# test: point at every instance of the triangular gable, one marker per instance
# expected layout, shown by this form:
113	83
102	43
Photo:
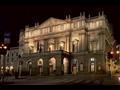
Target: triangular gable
51	21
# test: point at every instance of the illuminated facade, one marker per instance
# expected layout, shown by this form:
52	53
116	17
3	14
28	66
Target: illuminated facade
10	60
74	45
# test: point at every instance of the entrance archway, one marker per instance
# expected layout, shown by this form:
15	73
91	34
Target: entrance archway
92	64
52	65
40	65
75	66
29	66
65	66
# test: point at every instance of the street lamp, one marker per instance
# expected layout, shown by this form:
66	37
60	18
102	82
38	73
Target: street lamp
117	52
3	51
118	79
118	57
112	52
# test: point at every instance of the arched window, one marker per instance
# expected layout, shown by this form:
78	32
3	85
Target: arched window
40	62
75	45
52	65
62	45
29	65
40	65
51	45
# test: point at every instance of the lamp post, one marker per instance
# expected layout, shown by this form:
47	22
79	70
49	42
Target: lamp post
3	51
20	68
118	52
118	58
111	62
30	67
109	70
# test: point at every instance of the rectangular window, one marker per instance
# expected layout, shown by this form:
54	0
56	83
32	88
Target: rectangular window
72	25
12	59
93	46
83	23
73	48
92	67
97	23
81	67
100	22
26	34
37	45
16	54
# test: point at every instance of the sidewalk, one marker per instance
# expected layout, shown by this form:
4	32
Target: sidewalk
60	80
111	81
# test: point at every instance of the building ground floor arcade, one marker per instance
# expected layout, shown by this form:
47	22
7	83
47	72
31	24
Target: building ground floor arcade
60	63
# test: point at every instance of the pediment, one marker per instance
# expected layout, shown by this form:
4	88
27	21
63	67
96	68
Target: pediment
51	22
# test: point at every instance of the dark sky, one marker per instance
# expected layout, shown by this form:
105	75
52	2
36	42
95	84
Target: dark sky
15	17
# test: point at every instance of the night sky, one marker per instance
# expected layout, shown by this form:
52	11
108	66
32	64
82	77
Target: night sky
15	17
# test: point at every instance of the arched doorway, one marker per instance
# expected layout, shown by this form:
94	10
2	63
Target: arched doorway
7	69
20	65
75	66
65	66
52	66
29	67
11	70
92	65
40	65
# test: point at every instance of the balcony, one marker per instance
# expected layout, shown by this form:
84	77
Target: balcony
56	52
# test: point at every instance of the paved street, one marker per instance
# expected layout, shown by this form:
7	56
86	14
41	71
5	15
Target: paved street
65	80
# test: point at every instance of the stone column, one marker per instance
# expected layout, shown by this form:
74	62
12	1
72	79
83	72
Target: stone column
70	64
59	65
56	44
70	42
80	43
83	42
79	62
101	41
67	44
0	65
45	45
45	65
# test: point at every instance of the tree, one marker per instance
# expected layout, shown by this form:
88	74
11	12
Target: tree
112	66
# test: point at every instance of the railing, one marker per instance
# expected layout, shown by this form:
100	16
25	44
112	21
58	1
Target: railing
46	52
